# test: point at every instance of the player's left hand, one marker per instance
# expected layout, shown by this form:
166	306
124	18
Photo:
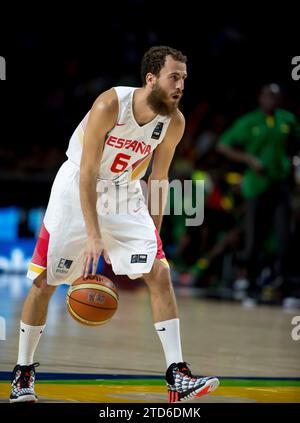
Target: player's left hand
94	249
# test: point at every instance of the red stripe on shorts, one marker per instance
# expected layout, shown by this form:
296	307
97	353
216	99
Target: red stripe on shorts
160	252
41	248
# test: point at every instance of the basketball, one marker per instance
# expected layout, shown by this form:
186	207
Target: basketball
93	300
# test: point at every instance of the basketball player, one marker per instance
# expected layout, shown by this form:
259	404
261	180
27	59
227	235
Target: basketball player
108	153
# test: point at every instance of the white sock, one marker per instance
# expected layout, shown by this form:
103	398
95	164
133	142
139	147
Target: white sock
169	335
28	341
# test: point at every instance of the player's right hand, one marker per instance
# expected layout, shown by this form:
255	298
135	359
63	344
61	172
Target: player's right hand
93	250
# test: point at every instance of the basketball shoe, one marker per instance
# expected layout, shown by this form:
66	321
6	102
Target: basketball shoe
22	382
182	385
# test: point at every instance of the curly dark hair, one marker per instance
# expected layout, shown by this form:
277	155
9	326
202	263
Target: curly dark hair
154	60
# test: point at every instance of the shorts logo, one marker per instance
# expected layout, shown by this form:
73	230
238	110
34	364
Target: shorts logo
64	265
157	131
138	258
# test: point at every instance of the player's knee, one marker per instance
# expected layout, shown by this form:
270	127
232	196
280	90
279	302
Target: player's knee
159	275
41	288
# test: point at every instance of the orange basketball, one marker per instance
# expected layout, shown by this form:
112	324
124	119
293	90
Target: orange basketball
92	300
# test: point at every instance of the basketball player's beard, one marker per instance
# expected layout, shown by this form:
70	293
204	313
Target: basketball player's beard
157	100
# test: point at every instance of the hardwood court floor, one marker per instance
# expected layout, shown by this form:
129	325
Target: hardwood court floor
251	350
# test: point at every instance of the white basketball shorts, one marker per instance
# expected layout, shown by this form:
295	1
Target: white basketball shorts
129	236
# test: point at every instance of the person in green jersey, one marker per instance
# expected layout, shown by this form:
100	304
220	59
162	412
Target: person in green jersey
262	141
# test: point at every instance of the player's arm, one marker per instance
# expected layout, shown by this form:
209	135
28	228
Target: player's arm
237	136
163	156
240	156
102	118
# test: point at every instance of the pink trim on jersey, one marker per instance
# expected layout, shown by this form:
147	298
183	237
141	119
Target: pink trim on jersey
41	249
160	252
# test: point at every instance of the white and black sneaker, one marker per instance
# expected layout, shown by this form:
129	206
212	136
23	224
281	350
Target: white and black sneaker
22	383
182	385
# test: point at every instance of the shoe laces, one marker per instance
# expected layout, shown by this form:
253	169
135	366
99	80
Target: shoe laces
26	373
183	368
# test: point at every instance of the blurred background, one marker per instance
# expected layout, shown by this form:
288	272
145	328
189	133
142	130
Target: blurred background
56	67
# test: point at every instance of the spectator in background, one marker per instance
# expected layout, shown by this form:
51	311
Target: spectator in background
262	140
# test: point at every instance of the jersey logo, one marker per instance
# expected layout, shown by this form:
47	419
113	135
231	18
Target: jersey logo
120	124
157	131
134	145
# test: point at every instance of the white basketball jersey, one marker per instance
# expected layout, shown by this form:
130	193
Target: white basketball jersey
128	146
